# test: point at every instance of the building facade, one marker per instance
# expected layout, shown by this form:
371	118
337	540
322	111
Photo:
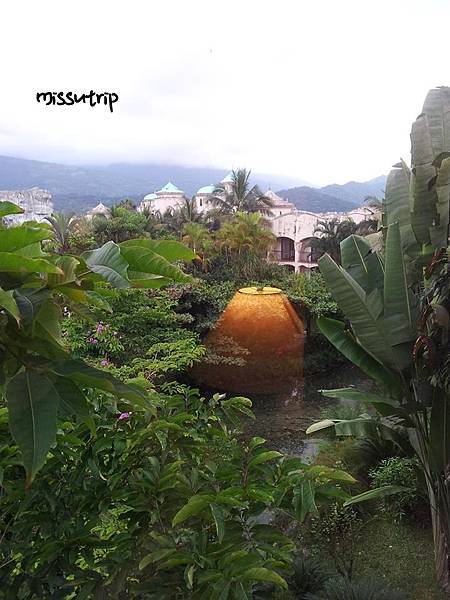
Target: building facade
293	228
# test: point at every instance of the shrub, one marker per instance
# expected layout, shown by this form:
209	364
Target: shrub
336	531
168	497
402	472
310	575
341	589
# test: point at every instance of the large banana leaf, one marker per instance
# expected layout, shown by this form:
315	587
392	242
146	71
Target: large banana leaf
439	231
437	109
424	198
361	263
363	311
397	209
400	305
335	332
376	494
382	404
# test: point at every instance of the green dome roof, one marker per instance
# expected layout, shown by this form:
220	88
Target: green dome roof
228	178
207	189
151	196
169	187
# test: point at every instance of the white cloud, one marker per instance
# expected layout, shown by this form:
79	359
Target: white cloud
325	91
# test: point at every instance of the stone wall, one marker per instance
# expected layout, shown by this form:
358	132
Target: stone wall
36	203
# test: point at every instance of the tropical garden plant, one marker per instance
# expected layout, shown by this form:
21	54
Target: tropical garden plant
240	196
39	378
133	488
396	303
61	226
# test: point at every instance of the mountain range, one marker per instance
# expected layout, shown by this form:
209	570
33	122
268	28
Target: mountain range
79	188
334	197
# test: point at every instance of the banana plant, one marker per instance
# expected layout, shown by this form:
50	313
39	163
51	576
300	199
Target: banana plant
396	305
39	379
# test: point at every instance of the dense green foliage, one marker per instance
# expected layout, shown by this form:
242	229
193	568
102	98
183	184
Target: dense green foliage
136	486
397	305
160	503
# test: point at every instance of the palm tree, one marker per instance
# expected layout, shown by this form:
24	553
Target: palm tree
246	234
187	212
241	197
194	236
61	227
332	233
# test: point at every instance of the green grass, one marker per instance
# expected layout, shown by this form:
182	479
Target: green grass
400	553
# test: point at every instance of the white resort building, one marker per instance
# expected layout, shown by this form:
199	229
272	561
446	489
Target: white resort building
168	197
293	228
99	210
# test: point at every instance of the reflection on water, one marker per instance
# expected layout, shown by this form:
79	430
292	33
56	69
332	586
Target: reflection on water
256	350
283	418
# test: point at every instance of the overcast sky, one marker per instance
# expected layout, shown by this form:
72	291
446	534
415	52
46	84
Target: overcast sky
320	90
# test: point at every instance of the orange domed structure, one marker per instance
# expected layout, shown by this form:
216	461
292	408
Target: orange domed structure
256	346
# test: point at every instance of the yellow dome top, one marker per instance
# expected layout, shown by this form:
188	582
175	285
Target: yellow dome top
264	291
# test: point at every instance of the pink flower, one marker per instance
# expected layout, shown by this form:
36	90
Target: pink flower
105	362
123	416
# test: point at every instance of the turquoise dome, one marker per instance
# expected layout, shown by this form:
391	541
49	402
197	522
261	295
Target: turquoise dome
169	187
207	189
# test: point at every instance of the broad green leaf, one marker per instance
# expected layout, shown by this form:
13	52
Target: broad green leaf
255	442
155	556
32	251
47	322
97	300
362	263
320	426
9	304
32	405
376	494
264	457
68	266
357	395
72	400
437	110
108	262
335	332
439	231
81	373
29	301
168	249
320	471
13	238
266	575
400	307
195	505
10	263
304	500
145	261
385	406
146	281
218	514
9	208
361	309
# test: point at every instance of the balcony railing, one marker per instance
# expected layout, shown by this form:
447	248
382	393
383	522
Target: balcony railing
289	256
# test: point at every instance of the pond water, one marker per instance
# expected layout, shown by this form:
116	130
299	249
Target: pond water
282	419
